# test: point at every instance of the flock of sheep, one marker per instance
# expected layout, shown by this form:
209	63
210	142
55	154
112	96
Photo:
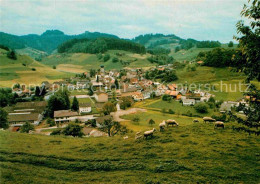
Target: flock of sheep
171	122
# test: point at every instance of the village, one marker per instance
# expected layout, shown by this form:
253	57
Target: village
93	90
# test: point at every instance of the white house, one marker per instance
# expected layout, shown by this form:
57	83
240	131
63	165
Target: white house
188	101
64	116
84	108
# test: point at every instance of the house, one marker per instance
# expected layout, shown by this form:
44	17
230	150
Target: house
188	102
200	62
84	108
101	97
138	96
227	106
64	116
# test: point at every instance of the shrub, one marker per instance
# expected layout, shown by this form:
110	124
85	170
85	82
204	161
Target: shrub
24	64
136	119
201	108
115	60
56	132
151	122
171	111
50	122
91	122
106	57
33	69
27	127
54	67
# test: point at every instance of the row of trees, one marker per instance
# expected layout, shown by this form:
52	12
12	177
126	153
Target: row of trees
161	59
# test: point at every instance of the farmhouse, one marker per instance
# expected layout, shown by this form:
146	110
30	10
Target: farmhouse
84	108
26	112
64	116
101	97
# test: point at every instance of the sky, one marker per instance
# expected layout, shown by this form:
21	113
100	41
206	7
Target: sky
197	19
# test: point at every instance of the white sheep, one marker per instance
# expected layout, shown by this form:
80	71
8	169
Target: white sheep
162	126
149	133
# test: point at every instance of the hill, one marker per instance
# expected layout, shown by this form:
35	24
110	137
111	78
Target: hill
80	62
25	70
47	42
185	154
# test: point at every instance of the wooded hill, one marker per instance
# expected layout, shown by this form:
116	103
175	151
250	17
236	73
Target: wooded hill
48	41
100	45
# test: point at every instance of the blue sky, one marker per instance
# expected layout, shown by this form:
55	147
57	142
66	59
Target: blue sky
198	19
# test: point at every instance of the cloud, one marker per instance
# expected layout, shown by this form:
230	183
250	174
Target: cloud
199	19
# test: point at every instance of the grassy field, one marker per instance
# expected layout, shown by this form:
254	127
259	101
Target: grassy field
80	62
190	153
20	71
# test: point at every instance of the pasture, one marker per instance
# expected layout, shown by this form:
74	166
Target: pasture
190	153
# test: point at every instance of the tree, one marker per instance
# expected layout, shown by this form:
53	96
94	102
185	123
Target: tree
11	55
75	104
108	107
97	80
201	108
250	40
27	127
55	103
230	44
3	119
112	127
116	84
177	49
126	102
151	122
54	67
249	45
73	129
64	93
92	72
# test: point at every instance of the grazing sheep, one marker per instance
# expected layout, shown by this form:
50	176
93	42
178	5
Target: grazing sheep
219	124
126	137
209	119
149	133
196	121
162	126
171	122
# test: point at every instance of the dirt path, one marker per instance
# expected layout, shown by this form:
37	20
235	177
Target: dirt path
116	115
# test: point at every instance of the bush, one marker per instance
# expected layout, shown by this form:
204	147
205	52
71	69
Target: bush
33	69
50	122
136	119
201	108
74	130
27	127
56	132
220	117
24	64
115	60
106	57
166	98
171	111
54	67
91	122
151	122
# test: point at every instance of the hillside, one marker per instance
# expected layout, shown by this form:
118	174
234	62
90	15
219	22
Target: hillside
47	42
185	154
80	62
25	70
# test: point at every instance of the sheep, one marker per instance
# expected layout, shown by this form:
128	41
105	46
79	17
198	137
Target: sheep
162	126
196	121
149	133
126	137
219	124
209	119
171	122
